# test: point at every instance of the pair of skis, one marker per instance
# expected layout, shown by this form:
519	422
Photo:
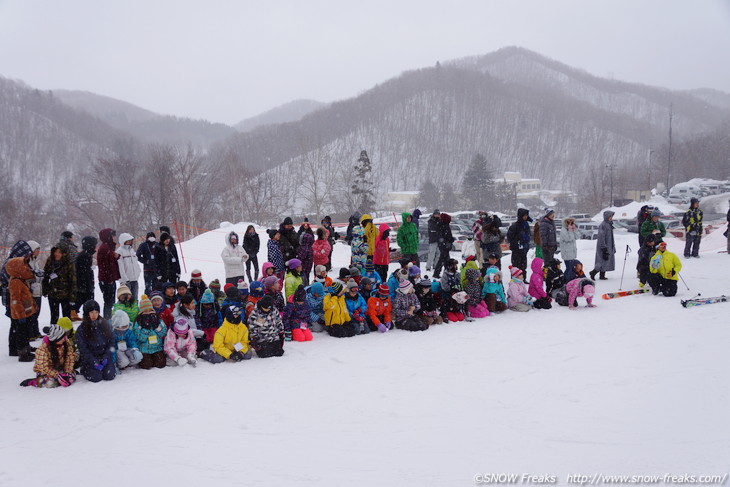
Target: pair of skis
699	301
687	303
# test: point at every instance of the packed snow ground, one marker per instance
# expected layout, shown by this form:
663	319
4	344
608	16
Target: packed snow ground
638	385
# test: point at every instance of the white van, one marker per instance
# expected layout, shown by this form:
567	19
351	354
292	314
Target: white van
684	192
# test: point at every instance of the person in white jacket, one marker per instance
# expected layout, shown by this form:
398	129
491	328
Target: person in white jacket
128	264
234	259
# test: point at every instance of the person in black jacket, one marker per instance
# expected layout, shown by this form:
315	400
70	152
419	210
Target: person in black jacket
433	239
166	265
174	260
85	284
96	342
641	216
692	223
289	241
445	243
251	245
518	236
146	255
646	252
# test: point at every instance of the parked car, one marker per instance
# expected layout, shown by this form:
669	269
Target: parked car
588	230
580	216
678	200
632	225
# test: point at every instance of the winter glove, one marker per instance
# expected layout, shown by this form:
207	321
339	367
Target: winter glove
382	328
389	325
605	254
99	366
236	356
65	379
137	354
181	361
192	361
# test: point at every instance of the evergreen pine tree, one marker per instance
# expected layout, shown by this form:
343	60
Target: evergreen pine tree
362	187
477	186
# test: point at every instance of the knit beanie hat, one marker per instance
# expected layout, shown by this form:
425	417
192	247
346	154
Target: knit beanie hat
233	294
65	323
55	333
656	212
425	283
196	274
90	306
145	305
384	290
515	271
405	287
662	245
242	286
292	264
207	297
227	287
256	289
120	320
215	285
369	266
317	288
351	284
365	281
270	281
337	287
267	302
181	326
354	271
319	269
414	271
122	291
344	273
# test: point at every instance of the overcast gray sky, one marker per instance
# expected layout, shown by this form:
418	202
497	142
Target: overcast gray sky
228	60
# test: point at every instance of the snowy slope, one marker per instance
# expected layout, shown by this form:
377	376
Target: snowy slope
638	385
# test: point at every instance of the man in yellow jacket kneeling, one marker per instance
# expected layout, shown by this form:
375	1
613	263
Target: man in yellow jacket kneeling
665	267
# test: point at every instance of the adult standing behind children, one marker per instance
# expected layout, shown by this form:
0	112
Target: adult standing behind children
605	248
692	222
408	239
146	255
174	260
166	264
234	259
128	264
106	260
371	234
252	244
568	238
548	236
433	239
289	241
518	235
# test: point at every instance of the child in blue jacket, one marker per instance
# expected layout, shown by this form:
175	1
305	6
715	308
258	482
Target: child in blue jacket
127	351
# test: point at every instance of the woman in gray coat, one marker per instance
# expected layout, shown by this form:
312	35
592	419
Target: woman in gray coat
568	247
605	247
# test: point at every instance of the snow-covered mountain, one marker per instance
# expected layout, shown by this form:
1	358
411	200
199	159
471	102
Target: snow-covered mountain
144	124
288	112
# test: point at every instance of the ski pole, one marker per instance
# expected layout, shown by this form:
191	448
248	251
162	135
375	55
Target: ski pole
628	249
680	276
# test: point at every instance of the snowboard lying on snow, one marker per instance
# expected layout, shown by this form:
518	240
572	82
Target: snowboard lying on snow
689	303
621	294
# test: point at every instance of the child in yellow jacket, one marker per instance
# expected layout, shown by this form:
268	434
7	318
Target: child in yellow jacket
336	318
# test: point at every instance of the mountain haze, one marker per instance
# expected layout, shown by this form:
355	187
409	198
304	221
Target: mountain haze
288	112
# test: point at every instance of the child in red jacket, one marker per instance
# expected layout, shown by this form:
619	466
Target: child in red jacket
379	310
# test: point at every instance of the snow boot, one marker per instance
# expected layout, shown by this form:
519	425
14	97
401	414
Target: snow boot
593	274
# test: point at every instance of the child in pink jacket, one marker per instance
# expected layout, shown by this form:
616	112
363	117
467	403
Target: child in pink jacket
321	248
536	290
580	288
518	297
180	346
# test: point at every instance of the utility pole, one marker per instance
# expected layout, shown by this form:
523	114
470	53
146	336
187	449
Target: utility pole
648	172
669	152
611	167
